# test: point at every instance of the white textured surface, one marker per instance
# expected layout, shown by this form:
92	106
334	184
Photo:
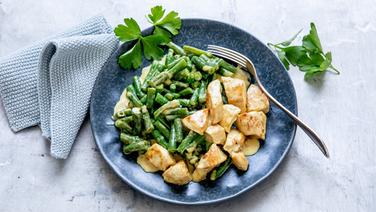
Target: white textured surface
341	108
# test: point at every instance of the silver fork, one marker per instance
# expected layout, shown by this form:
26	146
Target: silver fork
246	63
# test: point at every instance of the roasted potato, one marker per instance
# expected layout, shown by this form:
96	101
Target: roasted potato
208	162
198	121
214	101
235	92
159	157
215	134
252	123
177	174
230	114
256	100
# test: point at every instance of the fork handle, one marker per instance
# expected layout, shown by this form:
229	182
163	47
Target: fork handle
309	131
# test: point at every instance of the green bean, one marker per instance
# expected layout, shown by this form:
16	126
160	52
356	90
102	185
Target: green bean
168	105
196	75
184	102
123	113
165	75
218	172
176	111
170	56
195	84
194	98
143	99
180	84
127	119
133	97
160	139
186	91
169	96
160	119
172	140
137	118
173	87
159	88
147	121
205	58
196	51
141	146
121	124
189	64
227	66
128	139
178	130
202	93
155	68
173	63
162	128
225	72
160	99
172	117
137	87
187	141
224	97
199	62
183	75
176	48
150	97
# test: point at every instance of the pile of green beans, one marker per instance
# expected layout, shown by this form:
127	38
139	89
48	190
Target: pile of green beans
173	88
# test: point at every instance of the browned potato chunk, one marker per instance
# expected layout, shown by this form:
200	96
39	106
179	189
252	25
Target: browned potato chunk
214	101
145	164
239	160
252	123
208	162
256	100
215	134
234	141
230	114
236	92
159	157
198	122
177	174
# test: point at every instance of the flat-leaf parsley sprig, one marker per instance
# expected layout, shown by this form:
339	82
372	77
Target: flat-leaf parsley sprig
165	26
309	57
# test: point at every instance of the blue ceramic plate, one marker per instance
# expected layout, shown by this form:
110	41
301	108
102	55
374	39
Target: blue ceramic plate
280	129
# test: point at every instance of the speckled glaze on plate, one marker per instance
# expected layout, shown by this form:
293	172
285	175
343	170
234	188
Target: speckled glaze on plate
280	128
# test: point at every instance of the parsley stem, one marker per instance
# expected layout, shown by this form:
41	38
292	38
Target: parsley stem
334	69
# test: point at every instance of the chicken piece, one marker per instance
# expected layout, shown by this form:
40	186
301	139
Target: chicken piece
145	164
159	157
214	101
215	134
236	92
239	160
208	162
251	146
252	123
256	100
177	174
198	121
242	75
234	141
230	114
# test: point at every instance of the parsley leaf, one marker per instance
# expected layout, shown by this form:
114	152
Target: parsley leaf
132	58
128	32
171	22
151	46
309	57
164	28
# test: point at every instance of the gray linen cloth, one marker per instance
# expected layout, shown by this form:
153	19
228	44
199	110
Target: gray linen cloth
49	83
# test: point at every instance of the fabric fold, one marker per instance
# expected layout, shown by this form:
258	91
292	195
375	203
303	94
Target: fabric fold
50	82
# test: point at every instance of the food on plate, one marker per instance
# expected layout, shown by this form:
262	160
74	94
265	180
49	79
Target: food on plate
190	116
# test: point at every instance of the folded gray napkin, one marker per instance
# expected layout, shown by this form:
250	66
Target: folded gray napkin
50	83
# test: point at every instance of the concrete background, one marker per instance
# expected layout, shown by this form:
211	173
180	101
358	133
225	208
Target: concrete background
341	108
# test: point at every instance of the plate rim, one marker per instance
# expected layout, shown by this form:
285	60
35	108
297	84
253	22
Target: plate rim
205	202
